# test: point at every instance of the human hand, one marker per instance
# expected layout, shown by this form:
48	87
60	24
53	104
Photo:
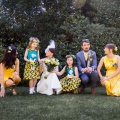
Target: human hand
2	92
105	78
69	76
41	62
15	73
89	69
84	70
101	78
54	71
31	61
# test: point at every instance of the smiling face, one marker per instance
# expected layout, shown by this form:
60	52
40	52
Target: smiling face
69	61
85	46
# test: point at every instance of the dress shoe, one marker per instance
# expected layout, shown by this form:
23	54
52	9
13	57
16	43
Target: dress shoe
82	90
92	90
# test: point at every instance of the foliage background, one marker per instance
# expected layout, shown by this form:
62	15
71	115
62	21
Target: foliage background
61	20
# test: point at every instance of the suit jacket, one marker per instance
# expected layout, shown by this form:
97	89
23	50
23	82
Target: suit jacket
81	60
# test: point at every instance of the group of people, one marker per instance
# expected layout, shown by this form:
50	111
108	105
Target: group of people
84	73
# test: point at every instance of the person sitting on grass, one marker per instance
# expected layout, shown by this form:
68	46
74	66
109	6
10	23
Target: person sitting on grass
71	82
9	67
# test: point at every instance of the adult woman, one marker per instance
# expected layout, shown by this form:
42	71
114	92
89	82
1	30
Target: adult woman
49	82
112	64
10	69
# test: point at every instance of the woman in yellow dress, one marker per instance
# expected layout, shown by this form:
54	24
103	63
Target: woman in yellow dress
9	67
112	64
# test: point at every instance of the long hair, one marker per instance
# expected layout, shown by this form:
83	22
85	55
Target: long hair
9	57
74	61
52	50
32	40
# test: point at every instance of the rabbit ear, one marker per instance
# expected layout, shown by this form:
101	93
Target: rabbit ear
51	45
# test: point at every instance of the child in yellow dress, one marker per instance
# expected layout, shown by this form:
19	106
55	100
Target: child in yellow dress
10	69
71	82
31	71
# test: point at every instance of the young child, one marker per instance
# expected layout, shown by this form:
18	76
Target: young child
9	69
31	71
71	82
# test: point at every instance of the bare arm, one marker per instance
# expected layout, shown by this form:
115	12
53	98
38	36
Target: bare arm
2	74
2	92
117	71
38	56
17	66
99	67
61	72
41	67
25	56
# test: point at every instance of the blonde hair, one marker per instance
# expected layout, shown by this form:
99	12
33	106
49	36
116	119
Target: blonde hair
32	40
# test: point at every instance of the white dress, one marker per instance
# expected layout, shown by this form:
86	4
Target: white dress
46	85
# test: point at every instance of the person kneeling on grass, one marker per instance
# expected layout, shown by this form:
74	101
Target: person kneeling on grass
9	67
71	82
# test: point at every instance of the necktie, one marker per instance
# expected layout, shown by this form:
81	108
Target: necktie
86	56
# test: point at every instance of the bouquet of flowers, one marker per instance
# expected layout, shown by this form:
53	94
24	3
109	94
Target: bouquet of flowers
51	63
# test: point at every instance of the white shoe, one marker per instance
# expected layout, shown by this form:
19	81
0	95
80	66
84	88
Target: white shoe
31	91
34	91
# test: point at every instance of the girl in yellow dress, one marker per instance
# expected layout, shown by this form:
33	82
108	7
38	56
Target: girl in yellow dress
71	82
31	71
10	69
112	64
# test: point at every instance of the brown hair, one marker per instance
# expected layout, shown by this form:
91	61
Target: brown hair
32	40
85	40
111	46
74	60
9	57
52	50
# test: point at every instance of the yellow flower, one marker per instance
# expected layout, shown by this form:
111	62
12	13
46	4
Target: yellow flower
115	49
46	61
51	62
57	63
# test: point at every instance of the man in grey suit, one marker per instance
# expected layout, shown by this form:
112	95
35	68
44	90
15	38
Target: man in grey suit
87	65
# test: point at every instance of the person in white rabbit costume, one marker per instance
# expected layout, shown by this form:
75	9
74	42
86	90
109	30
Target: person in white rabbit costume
49	83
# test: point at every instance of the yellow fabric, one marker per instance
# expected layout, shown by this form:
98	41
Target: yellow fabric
8	73
112	85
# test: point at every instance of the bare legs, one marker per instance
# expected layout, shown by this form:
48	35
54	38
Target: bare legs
13	82
32	84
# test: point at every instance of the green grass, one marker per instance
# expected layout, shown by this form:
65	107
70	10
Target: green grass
59	107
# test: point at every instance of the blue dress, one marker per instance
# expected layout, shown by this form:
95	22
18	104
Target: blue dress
70	84
31	70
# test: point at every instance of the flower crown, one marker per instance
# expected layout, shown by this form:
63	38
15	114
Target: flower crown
34	39
9	49
115	49
73	56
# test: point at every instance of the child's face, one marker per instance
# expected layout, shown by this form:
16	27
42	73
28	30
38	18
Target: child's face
70	61
34	45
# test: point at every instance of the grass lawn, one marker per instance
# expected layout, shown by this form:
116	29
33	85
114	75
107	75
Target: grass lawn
59	107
